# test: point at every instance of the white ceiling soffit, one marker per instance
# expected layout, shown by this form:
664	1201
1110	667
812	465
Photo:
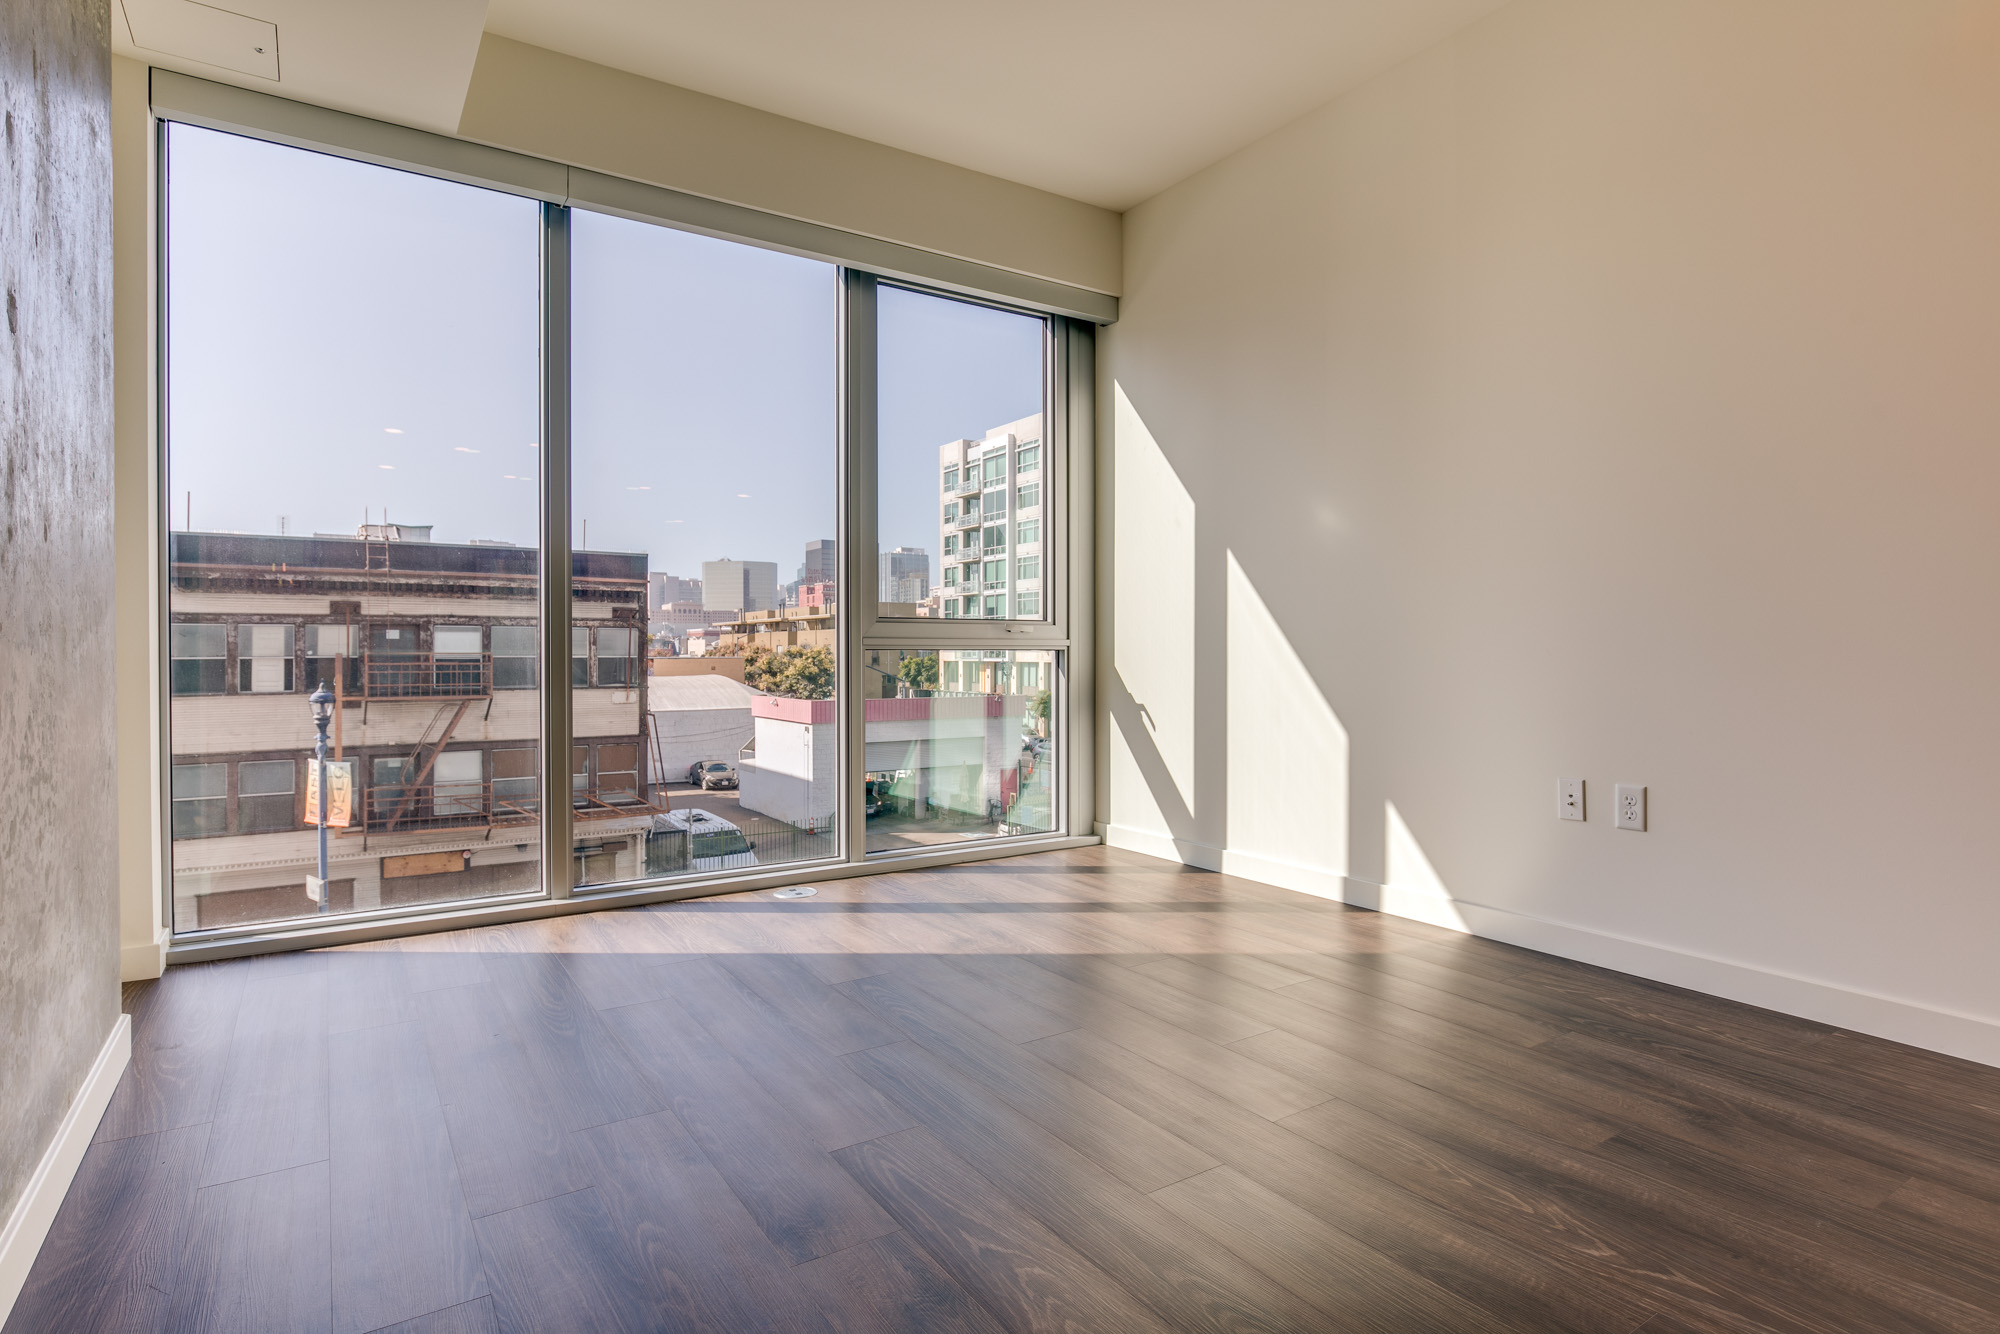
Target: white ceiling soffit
1107	101
393	60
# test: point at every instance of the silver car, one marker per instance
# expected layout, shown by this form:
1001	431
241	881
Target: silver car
714	774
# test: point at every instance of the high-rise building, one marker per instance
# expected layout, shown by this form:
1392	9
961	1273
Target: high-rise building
739	585
990	535
822	562
906	575
665	588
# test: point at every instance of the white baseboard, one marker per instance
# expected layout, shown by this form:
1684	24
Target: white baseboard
21	1239
139	963
1969	1036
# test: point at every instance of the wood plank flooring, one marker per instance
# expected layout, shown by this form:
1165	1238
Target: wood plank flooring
1082	1091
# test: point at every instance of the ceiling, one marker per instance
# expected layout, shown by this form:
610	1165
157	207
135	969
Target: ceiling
1107	101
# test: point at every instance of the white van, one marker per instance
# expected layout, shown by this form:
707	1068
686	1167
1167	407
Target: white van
714	844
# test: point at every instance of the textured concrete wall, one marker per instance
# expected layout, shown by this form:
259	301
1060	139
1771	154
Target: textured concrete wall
58	857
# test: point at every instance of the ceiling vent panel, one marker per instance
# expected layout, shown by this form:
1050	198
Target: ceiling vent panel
218	37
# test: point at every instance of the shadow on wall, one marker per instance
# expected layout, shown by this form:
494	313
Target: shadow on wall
1224	751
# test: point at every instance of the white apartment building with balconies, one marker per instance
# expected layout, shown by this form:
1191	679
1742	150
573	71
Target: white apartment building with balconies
990	526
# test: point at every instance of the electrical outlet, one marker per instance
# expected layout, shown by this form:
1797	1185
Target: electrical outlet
1569	798
1629	799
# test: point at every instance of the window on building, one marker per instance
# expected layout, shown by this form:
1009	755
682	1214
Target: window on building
1028	603
199	655
388	788
950	544
515	654
951	514
459	654
579	772
514	782
266	799
200	800
1028	497
618	772
950	575
996	606
458	782
617	655
992	503
1028	532
1028	567
996	538
996	573
263	659
330	656
993	469
1028	457
579	656
950	484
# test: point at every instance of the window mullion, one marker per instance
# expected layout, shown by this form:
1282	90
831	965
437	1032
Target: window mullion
557	761
856	594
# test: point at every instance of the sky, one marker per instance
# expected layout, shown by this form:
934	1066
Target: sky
347	340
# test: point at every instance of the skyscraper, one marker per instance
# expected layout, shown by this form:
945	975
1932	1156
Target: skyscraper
739	585
822	562
906	575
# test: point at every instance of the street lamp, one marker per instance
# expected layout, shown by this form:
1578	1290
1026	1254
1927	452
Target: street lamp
322	707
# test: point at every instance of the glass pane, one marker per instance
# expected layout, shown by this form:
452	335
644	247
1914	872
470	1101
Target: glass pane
960	746
958	463
704	454
354	400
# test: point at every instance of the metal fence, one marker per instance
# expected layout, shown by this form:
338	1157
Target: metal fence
668	851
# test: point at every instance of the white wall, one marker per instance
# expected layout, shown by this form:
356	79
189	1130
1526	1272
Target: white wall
1609	391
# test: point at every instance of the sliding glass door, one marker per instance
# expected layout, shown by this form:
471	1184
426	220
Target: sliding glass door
753	561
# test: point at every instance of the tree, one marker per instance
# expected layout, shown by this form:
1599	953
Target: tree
1038	708
920	672
797	673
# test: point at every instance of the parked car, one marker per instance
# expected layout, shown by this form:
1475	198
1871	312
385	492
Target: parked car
707	774
713	843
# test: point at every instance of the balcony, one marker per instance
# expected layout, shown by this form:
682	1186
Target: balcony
426	676
968	519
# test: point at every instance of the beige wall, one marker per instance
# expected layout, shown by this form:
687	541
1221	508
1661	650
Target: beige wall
143	928
1608	392
535	101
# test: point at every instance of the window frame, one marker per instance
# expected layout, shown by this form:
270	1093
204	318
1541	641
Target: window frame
1067	467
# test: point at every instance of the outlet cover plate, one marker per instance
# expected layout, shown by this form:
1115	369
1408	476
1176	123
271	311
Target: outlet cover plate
1629	801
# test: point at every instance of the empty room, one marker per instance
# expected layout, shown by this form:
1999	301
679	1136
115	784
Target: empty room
905	668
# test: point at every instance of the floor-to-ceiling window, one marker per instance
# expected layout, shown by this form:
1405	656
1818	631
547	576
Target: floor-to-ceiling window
705	443
809	603
351	406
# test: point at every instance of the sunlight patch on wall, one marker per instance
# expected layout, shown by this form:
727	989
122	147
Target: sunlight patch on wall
1415	888
1287	749
1152	704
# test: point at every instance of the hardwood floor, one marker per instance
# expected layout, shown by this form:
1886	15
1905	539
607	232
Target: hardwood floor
1081	1091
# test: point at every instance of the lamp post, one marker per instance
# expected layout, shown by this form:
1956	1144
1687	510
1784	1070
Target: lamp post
322	707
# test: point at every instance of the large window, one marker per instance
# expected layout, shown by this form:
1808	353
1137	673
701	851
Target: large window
805	525
352	421
705	448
